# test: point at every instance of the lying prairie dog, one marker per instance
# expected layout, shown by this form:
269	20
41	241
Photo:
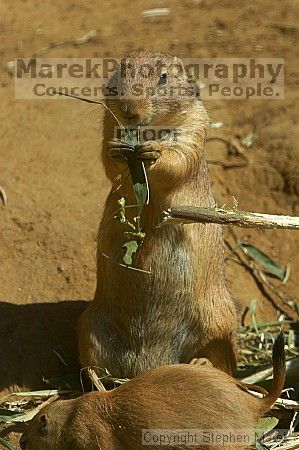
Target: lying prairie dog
176	305
179	397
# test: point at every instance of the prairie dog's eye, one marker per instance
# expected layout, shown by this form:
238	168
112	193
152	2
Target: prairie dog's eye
163	79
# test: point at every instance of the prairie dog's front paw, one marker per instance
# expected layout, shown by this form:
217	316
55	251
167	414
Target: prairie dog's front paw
148	151
119	149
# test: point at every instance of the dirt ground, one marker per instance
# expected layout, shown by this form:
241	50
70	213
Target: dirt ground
55	185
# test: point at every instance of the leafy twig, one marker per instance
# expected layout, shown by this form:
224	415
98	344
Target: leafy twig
265	286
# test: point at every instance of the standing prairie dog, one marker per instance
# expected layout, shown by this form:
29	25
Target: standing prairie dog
176	305
195	398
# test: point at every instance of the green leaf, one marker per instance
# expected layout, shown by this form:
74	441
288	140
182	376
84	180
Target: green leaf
131	248
8	416
137	170
265	425
6	444
264	260
252	308
139	180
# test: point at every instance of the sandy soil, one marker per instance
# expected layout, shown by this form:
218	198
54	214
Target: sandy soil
50	167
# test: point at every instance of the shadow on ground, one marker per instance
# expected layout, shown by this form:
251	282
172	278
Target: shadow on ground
37	341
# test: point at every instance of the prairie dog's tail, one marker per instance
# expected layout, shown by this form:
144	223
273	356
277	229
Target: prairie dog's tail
278	361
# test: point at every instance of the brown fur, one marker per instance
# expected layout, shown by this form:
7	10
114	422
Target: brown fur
182	309
169	397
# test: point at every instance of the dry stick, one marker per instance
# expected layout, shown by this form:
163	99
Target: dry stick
265	288
79	41
95	380
245	219
3	196
232	145
226	165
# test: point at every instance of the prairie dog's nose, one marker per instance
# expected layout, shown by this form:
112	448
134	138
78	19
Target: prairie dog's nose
133	119
130	109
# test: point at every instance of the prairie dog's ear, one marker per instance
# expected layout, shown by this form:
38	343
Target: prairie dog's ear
201	362
178	62
43	424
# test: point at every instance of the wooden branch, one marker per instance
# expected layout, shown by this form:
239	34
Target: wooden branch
245	219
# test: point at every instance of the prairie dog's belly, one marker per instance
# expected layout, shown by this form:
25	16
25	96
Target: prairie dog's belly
135	344
146	320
